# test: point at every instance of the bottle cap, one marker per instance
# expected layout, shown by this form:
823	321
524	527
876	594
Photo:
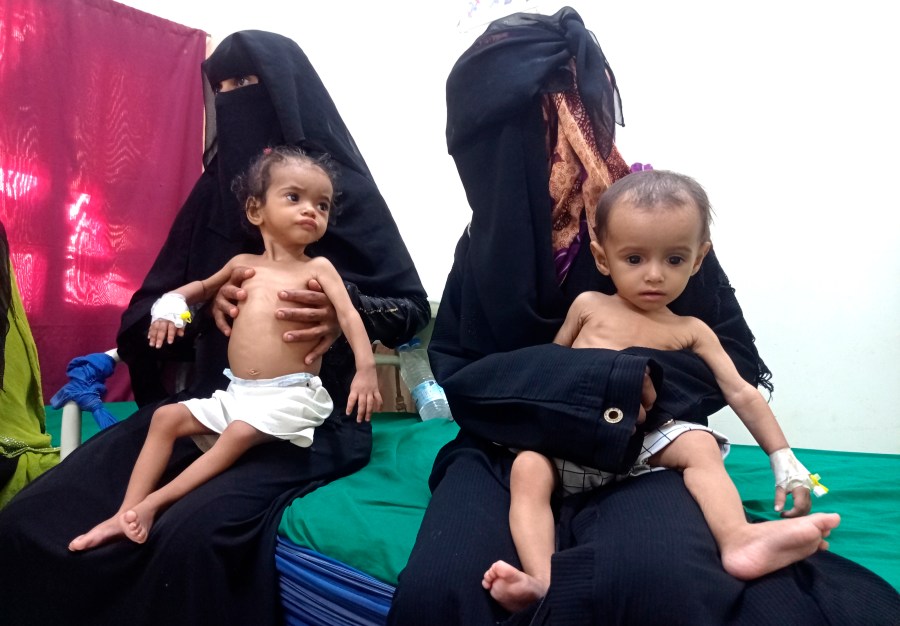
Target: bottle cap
415	342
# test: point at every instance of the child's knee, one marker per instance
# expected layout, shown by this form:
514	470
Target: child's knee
531	469
694	447
170	419
244	433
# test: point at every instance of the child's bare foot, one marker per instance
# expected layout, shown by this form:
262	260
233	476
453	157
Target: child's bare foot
512	588
137	522
102	533
768	546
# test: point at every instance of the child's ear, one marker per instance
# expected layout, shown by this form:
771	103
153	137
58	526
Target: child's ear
701	254
600	258
253	211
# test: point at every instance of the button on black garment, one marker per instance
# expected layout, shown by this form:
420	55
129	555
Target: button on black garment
613	415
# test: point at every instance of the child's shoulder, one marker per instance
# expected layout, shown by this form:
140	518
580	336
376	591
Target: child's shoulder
592	298
697	329
245	260
690	320
319	260
592	302
320	263
321	269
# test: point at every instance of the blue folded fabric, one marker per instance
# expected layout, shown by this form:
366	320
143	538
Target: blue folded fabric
87	375
319	591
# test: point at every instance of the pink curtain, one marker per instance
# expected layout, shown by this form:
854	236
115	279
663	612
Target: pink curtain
101	123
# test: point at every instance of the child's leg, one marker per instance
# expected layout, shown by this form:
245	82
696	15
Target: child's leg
235	440
531	483
748	550
169	422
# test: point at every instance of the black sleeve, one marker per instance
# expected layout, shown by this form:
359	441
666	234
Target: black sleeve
392	321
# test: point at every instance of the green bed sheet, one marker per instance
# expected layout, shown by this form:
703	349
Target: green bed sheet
369	520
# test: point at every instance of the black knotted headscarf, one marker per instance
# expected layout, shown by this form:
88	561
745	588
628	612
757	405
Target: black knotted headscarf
522	56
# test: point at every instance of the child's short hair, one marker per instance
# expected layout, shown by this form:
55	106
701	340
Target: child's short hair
254	182
651	188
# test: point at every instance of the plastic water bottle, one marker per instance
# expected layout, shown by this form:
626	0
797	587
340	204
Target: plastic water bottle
431	402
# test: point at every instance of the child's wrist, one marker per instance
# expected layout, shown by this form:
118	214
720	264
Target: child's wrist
790	473
171	307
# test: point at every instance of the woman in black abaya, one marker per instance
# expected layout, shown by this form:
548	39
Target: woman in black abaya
531	108
210	557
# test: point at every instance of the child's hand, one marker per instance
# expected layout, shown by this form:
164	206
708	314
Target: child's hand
167	315
364	390
791	476
802	501
163	331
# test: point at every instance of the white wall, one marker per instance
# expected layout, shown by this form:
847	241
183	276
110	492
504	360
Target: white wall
783	110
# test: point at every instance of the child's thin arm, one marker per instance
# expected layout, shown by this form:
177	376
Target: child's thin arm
567	333
364	388
742	397
750	406
204	290
170	313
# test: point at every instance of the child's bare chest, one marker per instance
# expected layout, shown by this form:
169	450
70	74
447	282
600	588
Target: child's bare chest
265	285
617	330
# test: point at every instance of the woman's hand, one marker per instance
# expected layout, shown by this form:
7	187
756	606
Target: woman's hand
227	298
317	312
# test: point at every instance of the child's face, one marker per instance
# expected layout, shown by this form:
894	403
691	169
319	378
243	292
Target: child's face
297	204
650	254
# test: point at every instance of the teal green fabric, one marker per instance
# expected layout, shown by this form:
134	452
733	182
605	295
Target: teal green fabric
369	520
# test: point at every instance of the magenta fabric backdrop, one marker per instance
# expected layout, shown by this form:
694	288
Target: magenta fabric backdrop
101	134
